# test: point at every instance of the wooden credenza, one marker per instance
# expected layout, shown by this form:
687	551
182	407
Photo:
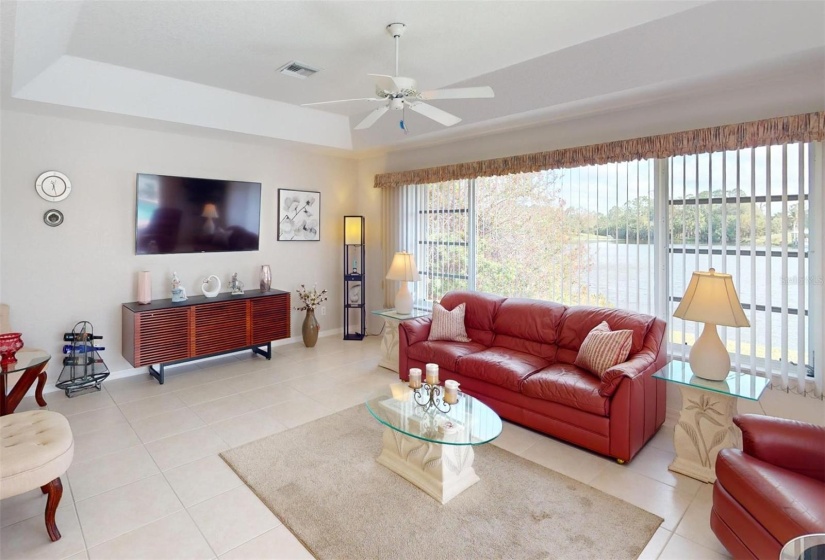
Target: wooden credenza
167	333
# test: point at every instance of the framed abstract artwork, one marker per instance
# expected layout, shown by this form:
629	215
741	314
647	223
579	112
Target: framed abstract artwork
299	215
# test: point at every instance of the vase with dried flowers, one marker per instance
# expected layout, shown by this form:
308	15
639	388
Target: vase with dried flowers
310	299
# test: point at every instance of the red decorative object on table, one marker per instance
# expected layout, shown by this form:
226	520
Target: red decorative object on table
10	343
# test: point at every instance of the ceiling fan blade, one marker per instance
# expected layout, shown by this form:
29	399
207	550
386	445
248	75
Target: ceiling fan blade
434	113
371	118
393	83
458	93
342	101
384	82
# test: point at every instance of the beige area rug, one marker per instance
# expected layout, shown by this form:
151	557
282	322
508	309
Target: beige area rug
322	481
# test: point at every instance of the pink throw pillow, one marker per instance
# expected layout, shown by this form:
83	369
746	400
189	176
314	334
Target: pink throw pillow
448	325
602	349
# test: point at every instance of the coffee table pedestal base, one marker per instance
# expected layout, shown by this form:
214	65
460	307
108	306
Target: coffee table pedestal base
442	471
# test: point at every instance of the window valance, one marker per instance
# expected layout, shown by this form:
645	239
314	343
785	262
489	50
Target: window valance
807	127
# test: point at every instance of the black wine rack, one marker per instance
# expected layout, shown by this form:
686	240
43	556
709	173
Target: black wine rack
83	368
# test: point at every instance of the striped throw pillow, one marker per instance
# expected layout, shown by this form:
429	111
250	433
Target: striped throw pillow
602	349
448	325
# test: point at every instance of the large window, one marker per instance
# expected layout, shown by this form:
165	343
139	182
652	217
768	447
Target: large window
630	235
745	212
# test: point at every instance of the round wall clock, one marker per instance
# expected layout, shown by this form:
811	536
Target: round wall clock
53	186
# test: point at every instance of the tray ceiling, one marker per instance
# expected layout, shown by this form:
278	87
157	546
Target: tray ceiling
214	64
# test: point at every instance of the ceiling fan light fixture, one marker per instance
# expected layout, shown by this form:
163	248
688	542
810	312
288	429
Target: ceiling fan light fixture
398	92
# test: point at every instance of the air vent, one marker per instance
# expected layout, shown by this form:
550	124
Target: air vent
297	70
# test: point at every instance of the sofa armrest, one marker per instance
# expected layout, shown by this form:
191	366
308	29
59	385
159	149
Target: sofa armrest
409	333
791	445
650	359
416	330
638	365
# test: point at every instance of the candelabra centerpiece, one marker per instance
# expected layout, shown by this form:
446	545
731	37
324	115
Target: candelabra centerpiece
429	395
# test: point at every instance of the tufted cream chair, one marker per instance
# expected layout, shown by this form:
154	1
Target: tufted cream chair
36	448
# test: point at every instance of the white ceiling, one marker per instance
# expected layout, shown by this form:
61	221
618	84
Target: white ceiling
214	64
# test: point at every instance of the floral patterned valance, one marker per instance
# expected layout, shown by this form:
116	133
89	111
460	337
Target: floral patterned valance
808	127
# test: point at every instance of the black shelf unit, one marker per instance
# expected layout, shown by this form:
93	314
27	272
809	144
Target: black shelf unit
354	278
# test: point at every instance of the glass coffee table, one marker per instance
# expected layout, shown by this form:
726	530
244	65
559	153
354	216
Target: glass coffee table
433	450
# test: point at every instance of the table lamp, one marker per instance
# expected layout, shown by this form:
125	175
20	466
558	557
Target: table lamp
210	212
403	269
711	299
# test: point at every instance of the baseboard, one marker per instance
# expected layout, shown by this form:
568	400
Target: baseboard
671	417
131	372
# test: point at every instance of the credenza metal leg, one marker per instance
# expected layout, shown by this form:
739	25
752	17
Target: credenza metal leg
265	353
157	373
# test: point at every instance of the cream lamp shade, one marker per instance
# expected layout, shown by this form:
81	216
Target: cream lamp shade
352	230
711	299
404	270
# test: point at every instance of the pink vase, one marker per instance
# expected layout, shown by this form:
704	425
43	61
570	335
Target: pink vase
144	287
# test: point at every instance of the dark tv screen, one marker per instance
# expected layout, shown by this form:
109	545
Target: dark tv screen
188	215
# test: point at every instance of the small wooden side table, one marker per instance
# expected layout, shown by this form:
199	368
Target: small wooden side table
705	423
33	364
389	344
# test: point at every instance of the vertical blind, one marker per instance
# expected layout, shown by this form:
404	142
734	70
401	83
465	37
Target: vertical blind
746	212
588	235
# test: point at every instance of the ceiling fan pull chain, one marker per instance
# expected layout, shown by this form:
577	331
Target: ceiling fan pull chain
403	123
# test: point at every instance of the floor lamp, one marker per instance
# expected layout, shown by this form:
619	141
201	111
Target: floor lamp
711	299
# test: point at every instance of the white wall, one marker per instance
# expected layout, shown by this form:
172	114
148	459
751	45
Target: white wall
788	96
87	267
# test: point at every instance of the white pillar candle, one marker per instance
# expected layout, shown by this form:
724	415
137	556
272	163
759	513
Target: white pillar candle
415	378
432	374
451	391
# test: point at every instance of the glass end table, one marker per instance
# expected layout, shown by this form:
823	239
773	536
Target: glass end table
389	344
32	364
705	423
433	450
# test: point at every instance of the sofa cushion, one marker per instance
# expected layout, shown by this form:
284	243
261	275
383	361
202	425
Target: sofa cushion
501	366
442	352
578	321
529	325
480	313
785	503
602	349
448	325
568	385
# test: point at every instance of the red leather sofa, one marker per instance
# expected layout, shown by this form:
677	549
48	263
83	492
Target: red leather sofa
520	363
772	490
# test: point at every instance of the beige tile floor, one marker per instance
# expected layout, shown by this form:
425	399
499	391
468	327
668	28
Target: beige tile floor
147	482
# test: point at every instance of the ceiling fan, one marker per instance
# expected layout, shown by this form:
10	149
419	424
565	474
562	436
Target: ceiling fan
397	93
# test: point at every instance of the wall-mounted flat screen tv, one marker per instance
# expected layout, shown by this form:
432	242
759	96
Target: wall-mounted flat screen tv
188	215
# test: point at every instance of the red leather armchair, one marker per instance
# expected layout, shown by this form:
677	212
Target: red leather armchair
771	491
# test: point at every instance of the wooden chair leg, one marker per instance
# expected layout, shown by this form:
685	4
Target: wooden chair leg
45	488
55	491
